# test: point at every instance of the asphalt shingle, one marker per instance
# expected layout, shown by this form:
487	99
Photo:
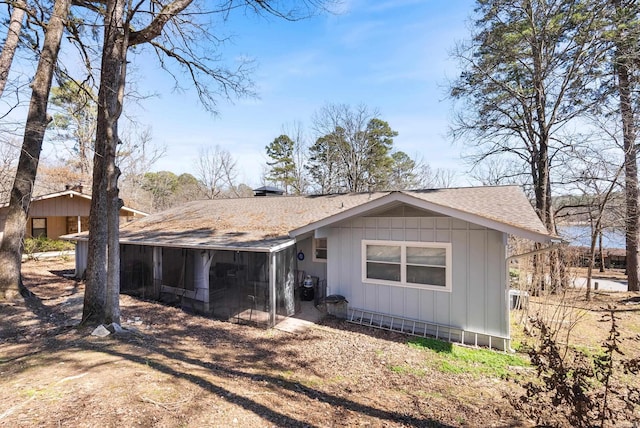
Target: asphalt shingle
265	222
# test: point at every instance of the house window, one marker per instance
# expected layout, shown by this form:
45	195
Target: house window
320	250
39	227
410	264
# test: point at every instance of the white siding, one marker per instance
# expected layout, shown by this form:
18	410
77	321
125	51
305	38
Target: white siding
307	265
477	300
82	251
3	219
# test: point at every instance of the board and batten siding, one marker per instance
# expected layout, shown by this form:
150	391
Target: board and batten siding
307	265
60	207
477	301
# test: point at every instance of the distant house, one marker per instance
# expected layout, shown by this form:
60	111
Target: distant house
61	213
268	191
431	261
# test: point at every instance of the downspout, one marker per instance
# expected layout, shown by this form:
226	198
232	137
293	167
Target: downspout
555	244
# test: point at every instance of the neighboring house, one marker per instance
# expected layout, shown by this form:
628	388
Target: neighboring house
428	261
61	213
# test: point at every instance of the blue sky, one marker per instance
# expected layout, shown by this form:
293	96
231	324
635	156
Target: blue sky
392	56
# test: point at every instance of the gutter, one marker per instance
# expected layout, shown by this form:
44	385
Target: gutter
247	248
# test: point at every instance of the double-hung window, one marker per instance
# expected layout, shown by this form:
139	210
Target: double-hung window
410	264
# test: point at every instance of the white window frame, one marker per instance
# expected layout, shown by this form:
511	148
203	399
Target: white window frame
315	247
403	263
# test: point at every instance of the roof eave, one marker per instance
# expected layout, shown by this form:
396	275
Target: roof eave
134	211
251	248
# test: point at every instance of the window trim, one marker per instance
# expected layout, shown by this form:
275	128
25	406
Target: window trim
403	264
315	247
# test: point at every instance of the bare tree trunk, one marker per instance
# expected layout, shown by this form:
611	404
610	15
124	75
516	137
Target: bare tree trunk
102	295
37	120
592	258
601	250
95	293
11	42
115	54
623	72
541	163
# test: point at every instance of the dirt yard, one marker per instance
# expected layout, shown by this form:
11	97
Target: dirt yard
176	369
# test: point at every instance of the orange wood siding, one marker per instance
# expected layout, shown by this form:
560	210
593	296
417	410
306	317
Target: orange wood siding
62	206
56	226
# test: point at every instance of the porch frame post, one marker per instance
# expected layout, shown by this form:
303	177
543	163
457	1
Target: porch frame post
272	289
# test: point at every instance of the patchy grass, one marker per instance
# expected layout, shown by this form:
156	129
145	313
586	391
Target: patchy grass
184	370
455	359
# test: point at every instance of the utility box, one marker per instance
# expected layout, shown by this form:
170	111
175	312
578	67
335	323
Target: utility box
337	306
518	299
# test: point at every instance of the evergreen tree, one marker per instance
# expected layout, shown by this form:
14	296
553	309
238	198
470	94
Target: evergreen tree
528	70
403	172
76	120
354	152
282	167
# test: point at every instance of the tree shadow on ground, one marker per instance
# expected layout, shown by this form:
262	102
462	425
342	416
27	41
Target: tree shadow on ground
259	409
169	360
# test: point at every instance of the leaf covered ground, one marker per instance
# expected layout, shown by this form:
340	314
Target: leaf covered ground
176	369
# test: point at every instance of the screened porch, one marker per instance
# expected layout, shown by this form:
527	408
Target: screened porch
252	287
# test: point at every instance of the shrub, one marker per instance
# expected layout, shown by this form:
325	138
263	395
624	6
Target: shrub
574	389
42	244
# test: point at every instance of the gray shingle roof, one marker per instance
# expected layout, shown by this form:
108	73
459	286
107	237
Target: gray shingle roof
504	204
263	223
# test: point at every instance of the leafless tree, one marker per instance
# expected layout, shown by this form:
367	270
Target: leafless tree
37	120
217	171
175	33
353	150
626	69
427	177
8	154
593	174
11	41
300	182
136	156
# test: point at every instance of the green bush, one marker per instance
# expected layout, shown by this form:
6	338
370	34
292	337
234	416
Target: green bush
42	244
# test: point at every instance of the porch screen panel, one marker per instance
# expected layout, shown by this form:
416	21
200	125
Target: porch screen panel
239	287
177	268
136	270
286	265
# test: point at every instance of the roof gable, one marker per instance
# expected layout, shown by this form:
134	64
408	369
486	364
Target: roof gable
74	194
503	208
